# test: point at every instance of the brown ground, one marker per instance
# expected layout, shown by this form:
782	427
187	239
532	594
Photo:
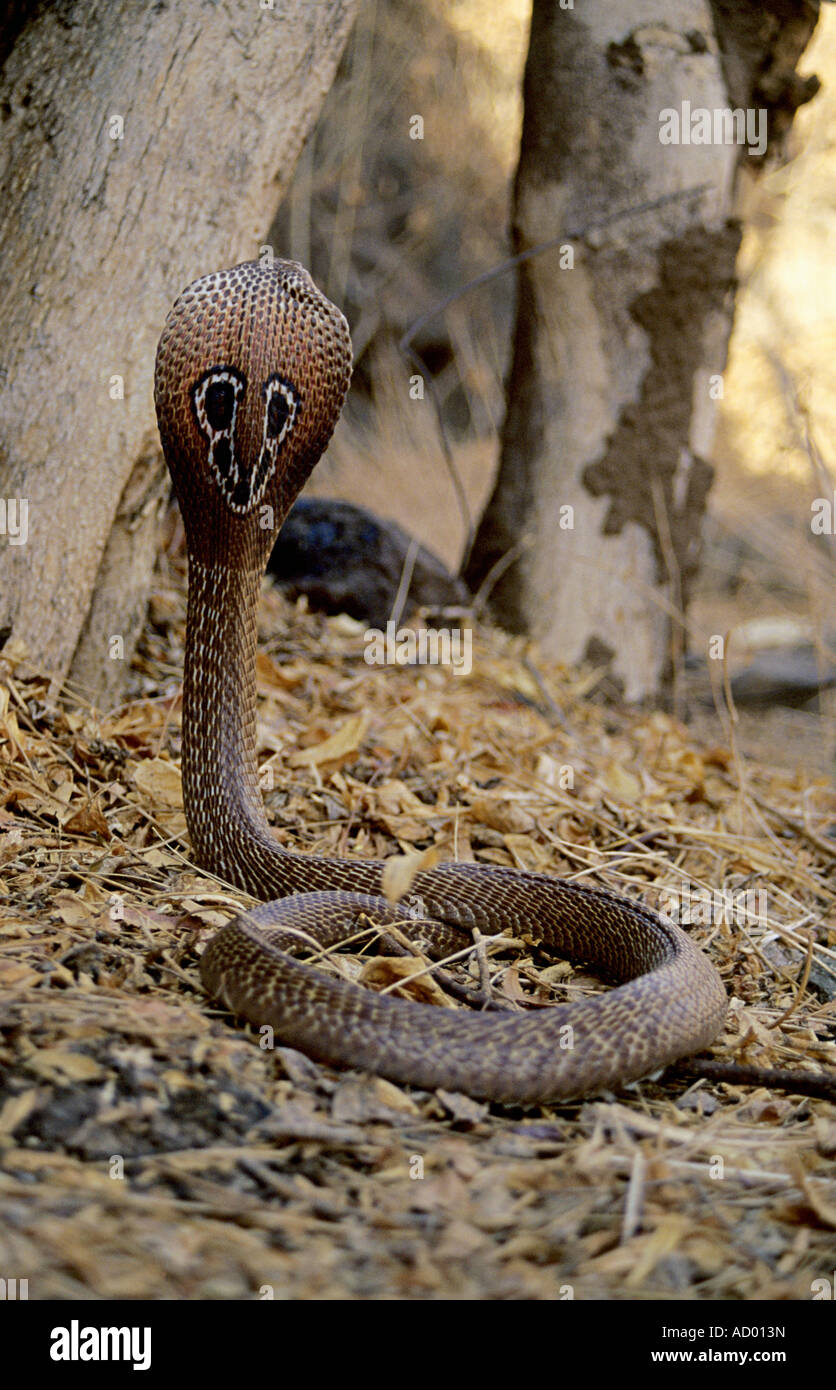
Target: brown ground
150	1148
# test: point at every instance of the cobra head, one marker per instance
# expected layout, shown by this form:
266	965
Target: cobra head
252	370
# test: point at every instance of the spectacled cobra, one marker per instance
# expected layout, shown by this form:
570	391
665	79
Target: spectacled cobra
252	369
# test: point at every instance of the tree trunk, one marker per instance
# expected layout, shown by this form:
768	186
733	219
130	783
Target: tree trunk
621	339
143	145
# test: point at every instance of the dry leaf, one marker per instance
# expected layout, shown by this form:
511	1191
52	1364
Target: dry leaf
273	676
503	813
160	781
528	853
363	1099
18	1108
400	869
88	821
72	909
390	970
17	973
621	783
343	744
399	810
59	1064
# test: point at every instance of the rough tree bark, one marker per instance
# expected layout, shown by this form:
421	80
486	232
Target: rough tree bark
620	346
142	145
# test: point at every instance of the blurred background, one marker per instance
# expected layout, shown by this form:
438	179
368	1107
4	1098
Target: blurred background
390	225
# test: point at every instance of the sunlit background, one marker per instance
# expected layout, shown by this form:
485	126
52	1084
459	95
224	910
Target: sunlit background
392	225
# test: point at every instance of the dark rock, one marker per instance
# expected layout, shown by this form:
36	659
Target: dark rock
783	676
347	560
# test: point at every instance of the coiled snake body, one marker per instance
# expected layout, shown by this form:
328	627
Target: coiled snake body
252	369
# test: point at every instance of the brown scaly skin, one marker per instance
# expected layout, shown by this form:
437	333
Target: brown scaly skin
252	370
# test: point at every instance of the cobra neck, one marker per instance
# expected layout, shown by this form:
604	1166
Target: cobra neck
224	810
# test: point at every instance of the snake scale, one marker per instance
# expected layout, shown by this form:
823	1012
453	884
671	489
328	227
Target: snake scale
252	369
